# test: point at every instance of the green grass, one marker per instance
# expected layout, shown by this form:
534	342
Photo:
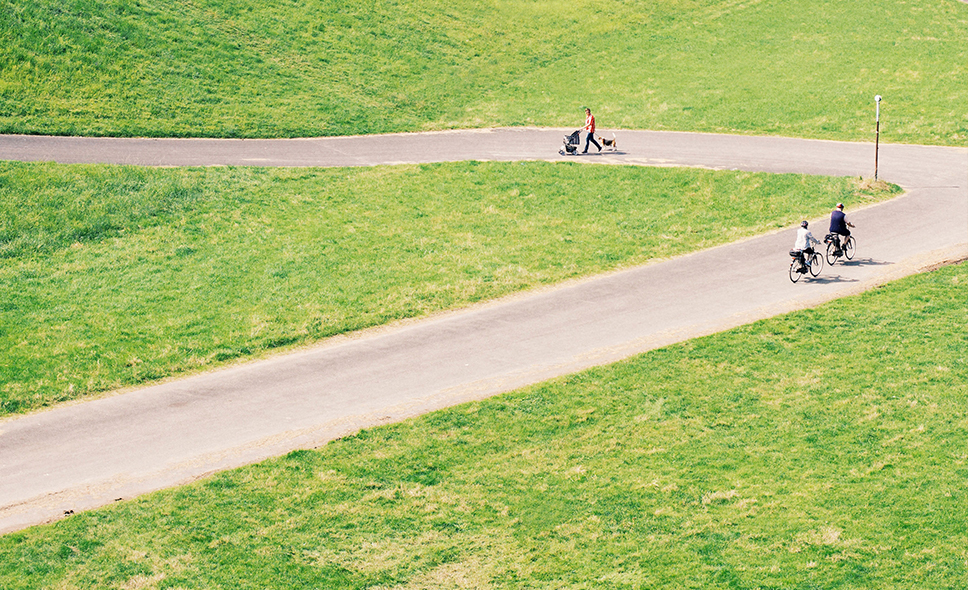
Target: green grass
242	68
114	276
756	458
820	449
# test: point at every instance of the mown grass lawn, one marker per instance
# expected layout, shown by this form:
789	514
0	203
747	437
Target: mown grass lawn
763	457
820	449
243	68
113	276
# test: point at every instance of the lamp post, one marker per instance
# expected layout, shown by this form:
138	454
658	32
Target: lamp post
877	134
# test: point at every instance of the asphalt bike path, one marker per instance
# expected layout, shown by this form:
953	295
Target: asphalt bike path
79	456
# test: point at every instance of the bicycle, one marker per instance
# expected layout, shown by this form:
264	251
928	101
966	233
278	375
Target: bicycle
834	249
804	262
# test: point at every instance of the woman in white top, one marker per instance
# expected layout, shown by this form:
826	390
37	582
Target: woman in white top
805	241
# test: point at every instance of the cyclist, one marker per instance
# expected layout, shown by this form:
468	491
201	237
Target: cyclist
804	243
839	225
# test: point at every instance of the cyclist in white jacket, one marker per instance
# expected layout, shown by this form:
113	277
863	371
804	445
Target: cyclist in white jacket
805	242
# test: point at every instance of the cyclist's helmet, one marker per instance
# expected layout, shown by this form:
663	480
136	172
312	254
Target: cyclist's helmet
804	224
840	205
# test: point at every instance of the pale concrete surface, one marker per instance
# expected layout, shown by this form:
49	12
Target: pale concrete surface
87	454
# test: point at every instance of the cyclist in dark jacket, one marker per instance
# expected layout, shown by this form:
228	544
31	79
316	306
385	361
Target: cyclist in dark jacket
839	224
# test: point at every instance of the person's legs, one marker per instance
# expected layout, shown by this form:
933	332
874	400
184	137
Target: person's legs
591	139
842	241
807	255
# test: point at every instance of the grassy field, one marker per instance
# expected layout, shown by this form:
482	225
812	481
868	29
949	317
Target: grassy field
756	458
112	276
821	449
243	68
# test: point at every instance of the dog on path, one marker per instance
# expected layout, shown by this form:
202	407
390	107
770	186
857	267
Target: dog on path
611	144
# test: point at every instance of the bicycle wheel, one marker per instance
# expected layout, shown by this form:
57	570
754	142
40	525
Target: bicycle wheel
795	270
849	248
831	257
816	264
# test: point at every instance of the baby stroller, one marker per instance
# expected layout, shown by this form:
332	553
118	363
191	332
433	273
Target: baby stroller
571	143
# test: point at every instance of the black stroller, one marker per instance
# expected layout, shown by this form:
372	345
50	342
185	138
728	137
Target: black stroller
571	143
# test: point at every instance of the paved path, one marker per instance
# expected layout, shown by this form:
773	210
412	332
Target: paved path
88	454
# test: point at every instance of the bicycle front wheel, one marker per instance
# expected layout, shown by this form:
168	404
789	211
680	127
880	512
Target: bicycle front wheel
816	264
795	270
849	248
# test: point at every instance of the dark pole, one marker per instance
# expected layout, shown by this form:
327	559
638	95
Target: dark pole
877	135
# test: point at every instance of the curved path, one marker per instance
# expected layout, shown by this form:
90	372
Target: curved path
84	455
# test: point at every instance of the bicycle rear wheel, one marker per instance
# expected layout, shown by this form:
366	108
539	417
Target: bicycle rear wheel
831	256
795	270
849	248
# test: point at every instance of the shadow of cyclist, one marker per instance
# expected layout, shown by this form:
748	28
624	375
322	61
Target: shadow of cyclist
862	262
828	279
